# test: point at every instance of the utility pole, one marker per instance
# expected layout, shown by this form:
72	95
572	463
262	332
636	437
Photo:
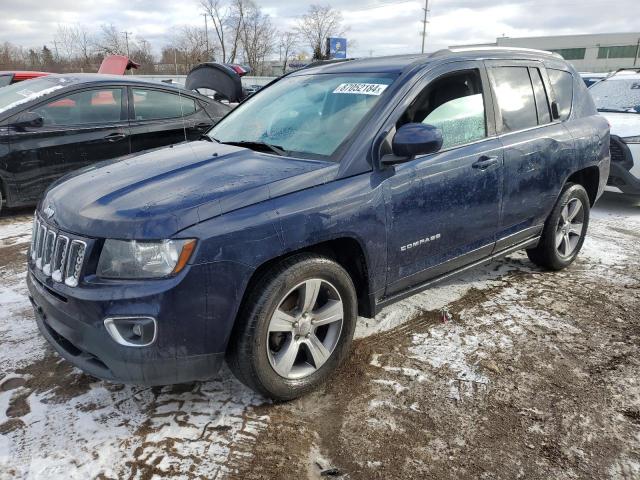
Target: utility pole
206	36
126	39
424	23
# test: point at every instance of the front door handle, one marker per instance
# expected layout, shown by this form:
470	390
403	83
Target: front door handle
115	137
485	162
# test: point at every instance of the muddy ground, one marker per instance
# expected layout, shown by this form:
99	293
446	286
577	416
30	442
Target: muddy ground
531	375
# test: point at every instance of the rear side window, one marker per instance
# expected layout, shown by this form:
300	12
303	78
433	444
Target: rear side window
515	97
155	105
562	85
542	103
90	106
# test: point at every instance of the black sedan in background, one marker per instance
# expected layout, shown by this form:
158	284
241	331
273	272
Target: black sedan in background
58	123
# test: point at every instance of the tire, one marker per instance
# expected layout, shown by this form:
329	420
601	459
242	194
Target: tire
274	347
564	231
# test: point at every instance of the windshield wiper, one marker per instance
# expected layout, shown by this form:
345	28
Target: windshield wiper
277	149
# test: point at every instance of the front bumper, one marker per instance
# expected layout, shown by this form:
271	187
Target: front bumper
624	180
188	348
625	166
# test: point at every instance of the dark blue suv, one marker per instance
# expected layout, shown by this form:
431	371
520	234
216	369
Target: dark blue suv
331	193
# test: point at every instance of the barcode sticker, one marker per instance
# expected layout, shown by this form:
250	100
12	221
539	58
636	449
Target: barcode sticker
361	88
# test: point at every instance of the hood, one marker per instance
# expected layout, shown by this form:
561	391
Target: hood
623	124
158	193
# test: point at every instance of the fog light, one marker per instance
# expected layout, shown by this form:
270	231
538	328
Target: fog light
132	331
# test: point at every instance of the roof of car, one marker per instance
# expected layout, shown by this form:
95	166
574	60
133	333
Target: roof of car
624	74
78	78
400	63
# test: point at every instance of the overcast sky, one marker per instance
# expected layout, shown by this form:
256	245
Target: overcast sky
379	27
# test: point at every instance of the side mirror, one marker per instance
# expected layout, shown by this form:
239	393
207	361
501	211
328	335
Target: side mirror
27	120
555	110
414	139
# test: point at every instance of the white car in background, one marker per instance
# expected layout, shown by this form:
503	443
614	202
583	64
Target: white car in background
617	97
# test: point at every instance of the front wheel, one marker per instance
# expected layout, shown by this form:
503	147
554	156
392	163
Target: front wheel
295	327
564	231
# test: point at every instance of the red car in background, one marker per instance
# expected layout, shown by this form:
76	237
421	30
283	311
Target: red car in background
7	78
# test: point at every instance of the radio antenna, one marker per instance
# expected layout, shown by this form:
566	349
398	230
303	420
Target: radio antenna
184	125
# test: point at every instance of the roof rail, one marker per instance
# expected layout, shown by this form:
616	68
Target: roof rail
623	69
491	48
327	62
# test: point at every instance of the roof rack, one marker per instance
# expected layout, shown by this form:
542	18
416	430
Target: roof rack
490	48
623	69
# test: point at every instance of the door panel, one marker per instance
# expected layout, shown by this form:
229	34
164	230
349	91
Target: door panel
78	129
442	207
160	118
537	151
535	162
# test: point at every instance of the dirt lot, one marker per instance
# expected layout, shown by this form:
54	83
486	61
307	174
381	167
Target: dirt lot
535	375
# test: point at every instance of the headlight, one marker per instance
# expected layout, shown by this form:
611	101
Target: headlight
631	139
143	259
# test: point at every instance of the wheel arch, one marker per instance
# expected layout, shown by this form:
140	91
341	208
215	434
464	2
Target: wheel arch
347	252
589	178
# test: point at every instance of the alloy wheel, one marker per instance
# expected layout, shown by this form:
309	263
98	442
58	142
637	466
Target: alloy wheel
570	227
305	328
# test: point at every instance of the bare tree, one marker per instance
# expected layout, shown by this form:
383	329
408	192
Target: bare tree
110	41
319	23
219	14
187	49
257	35
288	42
76	43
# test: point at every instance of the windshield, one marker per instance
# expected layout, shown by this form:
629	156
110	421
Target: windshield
617	95
22	92
304	114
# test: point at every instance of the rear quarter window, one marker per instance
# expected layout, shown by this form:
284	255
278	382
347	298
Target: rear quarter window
562	86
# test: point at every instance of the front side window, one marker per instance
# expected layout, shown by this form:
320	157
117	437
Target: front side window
305	115
151	104
515	96
617	95
562	85
89	106
12	96
453	103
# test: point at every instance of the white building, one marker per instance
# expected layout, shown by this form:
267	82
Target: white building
601	52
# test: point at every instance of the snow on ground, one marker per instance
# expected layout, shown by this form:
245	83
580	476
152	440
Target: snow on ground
419	397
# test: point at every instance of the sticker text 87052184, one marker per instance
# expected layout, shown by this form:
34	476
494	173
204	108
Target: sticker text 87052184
361	88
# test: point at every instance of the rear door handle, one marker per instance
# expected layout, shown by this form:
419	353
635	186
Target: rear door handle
115	137
485	162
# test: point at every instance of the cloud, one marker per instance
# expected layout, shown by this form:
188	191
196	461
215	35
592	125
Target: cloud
378	27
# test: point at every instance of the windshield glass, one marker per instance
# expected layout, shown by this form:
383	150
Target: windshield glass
617	95
304	114
22	92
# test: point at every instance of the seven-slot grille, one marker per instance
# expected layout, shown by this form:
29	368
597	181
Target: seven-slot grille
56	254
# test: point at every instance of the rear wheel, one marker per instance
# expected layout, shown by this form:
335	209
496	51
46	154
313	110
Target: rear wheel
564	231
295	328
